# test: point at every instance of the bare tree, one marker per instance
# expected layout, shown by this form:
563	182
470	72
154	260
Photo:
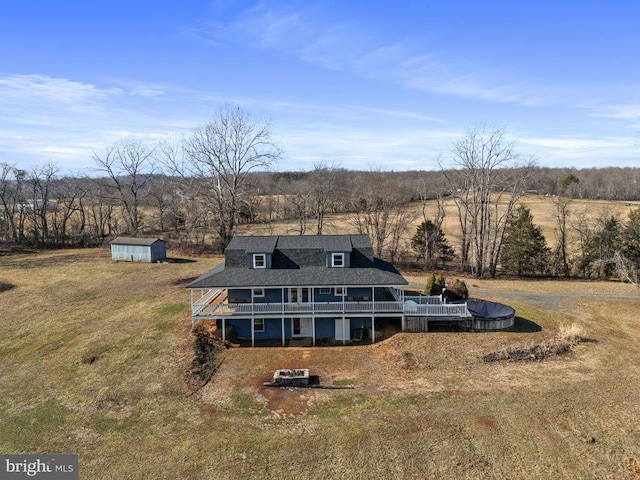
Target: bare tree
324	187
562	212
40	183
486	185
433	238
101	220
626	269
381	213
68	221
222	154
12	199
163	198
299	205
128	166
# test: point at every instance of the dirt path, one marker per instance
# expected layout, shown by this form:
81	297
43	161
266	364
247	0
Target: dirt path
551	300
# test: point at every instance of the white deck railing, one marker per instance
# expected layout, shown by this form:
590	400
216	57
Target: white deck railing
409	307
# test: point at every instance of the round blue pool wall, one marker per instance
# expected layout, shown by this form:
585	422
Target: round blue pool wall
490	316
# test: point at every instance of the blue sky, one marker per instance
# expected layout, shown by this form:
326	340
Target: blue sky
361	84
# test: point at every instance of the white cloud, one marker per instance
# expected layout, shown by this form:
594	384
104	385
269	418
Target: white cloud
583	152
38	88
344	44
623	112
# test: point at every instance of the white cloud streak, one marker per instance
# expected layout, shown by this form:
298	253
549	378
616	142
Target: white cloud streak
350	47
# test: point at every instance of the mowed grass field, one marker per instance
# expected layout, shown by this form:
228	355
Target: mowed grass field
542	209
93	358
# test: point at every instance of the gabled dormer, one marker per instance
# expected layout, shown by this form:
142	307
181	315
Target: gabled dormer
295	252
259	260
250	252
338	259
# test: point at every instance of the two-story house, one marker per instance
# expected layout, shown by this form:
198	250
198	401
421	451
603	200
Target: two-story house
327	287
284	287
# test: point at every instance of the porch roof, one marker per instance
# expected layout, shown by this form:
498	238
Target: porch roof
381	274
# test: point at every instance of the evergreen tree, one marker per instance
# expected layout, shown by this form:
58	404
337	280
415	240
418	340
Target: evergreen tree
566	182
430	243
525	250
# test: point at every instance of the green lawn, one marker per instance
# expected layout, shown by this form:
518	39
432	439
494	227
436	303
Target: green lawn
94	356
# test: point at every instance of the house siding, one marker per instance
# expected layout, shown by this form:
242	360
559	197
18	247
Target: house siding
303	264
240	295
324	328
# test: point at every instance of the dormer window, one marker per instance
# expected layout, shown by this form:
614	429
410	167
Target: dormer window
337	259
259	260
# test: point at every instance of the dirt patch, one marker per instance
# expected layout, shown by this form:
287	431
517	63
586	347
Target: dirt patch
91	360
485	421
287	401
4	286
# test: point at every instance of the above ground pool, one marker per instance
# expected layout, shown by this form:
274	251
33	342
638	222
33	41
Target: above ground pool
489	316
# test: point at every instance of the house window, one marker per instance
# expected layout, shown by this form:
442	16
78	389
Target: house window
259	260
340	292
325	291
337	259
258	324
258	292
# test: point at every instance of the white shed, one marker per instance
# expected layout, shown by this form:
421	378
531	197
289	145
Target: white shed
129	249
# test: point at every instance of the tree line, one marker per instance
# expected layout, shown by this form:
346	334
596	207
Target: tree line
196	189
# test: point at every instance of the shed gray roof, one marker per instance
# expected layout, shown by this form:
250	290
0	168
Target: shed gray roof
144	242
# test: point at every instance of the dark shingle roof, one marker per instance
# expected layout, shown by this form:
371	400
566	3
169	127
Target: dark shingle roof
363	271
327	243
259	244
382	274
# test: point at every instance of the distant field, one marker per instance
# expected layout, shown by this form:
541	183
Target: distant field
94	353
541	207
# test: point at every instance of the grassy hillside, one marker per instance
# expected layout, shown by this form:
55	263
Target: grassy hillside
94	355
542	209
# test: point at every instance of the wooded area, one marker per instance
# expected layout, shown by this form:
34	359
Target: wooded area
196	190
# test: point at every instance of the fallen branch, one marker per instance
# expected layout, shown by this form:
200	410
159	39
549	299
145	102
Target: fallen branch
332	387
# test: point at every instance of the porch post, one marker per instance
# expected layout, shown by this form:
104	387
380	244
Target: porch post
193	320
373	299
373	329
253	334
224	332
283	342
313	330
344	337
403	323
